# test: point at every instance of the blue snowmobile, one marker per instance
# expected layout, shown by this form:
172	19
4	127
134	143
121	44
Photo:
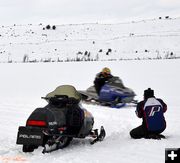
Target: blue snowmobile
113	94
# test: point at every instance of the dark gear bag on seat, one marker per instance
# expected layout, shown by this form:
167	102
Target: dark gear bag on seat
75	116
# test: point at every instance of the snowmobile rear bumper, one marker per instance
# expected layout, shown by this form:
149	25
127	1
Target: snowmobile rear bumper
30	136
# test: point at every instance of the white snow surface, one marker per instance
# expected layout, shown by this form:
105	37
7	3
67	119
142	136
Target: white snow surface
143	39
23	84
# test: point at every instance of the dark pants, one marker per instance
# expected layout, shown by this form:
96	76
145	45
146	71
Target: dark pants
98	86
138	132
141	132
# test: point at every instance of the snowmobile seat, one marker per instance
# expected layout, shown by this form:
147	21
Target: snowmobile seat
74	114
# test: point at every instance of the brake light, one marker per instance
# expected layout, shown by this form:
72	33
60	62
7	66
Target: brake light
62	129
36	123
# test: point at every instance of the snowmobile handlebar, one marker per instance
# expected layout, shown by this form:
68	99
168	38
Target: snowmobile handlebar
61	99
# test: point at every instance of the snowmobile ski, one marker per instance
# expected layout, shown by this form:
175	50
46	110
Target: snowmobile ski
100	136
59	142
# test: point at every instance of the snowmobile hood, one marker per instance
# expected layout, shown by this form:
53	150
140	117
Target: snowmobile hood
117	84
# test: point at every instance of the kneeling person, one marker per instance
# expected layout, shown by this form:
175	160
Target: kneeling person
151	110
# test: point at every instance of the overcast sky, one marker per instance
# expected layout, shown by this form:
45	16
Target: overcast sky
83	11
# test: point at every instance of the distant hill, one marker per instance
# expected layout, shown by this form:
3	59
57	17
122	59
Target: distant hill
147	39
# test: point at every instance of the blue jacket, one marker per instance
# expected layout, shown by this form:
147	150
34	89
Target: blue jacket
152	112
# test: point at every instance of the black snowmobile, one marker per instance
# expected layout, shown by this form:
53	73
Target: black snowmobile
113	94
55	125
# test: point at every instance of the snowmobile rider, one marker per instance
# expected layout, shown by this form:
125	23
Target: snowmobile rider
151	110
102	78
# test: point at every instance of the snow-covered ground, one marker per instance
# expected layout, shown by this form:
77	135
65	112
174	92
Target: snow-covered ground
145	39
23	84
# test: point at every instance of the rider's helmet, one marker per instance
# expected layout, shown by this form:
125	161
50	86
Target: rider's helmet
106	71
148	93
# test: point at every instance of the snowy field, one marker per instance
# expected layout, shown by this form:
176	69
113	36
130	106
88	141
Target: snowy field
132	40
22	86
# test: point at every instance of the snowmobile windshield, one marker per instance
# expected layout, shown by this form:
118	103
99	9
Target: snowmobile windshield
116	81
66	90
